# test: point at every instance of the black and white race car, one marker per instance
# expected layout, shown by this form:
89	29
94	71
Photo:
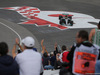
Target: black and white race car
66	19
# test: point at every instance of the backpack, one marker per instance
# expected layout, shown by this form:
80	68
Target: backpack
85	59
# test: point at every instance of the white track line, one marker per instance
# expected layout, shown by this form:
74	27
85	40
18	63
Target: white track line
12	30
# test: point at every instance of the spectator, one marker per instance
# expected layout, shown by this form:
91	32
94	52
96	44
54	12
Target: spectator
46	58
22	49
64	54
81	53
58	64
94	36
52	59
29	61
57	49
57	53
8	65
63	60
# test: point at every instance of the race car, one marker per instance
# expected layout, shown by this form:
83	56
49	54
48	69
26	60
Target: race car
66	19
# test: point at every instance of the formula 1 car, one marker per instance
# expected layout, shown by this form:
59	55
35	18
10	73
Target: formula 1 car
66	19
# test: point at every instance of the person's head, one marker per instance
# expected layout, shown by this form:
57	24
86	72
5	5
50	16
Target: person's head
45	54
28	42
59	52
64	48
81	36
52	54
3	48
99	25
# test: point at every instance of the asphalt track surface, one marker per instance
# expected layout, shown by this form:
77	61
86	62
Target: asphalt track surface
50	34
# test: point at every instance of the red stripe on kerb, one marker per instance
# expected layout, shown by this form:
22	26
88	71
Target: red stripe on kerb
36	11
21	8
36	15
28	11
57	15
26	14
25	11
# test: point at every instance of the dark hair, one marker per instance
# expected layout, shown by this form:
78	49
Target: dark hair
83	34
3	48
45	54
63	47
99	25
29	47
